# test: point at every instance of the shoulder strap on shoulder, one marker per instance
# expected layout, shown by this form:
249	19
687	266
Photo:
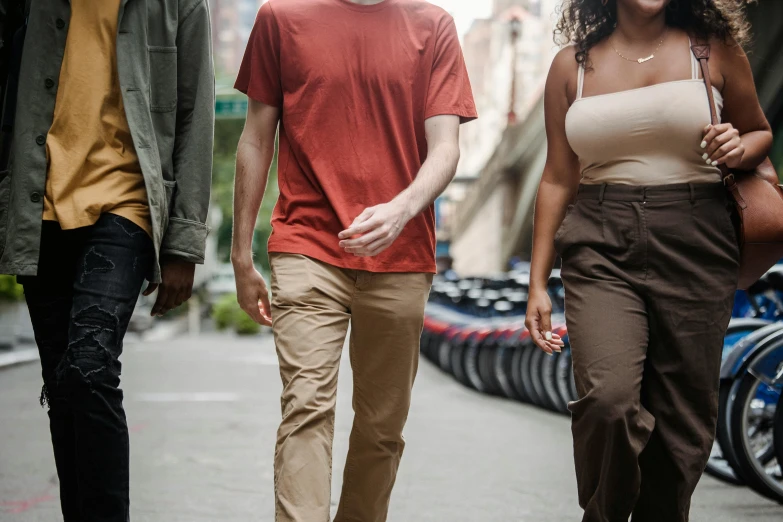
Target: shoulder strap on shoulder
694	60
702	54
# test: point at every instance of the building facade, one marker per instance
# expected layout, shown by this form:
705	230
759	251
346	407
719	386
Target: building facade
232	21
508	57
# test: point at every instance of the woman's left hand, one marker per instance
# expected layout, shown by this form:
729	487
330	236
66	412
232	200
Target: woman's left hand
722	144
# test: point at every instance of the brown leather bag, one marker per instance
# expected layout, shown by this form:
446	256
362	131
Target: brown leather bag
758	195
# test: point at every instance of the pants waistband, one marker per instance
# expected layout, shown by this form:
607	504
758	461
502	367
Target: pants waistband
675	192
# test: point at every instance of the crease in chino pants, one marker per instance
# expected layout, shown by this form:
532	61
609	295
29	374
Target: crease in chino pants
312	306
650	275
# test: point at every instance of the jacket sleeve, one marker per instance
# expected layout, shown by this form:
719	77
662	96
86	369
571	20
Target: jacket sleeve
186	234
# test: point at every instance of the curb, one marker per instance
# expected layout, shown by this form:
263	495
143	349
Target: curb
16	357
165	330
162	332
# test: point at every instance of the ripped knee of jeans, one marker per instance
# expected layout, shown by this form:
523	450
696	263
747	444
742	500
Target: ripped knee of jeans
90	356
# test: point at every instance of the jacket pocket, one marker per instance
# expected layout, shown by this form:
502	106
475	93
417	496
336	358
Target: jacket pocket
163	78
170	187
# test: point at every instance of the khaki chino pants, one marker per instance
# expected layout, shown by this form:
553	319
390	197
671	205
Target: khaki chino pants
312	306
650	276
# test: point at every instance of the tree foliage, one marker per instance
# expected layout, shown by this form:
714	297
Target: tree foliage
227	134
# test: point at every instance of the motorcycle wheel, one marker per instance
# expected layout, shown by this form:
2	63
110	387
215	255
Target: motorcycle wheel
471	364
457	362
752	436
563	378
486	365
518	372
503	369
533	376
548	371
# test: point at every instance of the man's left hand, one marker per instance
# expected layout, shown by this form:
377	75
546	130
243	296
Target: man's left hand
374	230
176	288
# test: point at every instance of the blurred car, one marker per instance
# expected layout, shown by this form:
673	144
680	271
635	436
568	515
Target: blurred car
221	283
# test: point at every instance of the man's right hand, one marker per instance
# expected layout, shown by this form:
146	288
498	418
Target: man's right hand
539	322
253	296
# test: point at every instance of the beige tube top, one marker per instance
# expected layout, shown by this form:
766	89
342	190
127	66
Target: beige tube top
645	136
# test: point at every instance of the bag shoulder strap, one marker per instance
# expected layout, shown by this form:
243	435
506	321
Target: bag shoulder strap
702	53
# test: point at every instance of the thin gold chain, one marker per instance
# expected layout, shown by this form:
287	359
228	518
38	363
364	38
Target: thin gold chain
641	60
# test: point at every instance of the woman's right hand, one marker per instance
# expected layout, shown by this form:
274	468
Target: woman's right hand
539	322
558	187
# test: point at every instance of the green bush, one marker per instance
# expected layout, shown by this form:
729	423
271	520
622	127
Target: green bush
227	314
9	289
244	325
224	311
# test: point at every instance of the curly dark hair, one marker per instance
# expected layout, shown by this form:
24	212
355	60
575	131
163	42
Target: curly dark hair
584	23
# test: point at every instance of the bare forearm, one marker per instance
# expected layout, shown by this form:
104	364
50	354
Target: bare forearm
434	176
252	173
757	146
551	204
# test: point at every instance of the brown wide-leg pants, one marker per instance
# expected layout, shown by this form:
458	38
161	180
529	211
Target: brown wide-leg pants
650	275
312	305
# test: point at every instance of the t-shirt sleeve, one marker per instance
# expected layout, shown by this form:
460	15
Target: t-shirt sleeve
259	74
449	89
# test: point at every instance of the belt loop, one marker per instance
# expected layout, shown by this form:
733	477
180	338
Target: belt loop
644	194
601	194
693	193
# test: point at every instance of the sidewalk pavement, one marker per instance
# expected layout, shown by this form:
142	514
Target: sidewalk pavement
203	413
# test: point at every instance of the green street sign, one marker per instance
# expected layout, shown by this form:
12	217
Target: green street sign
235	108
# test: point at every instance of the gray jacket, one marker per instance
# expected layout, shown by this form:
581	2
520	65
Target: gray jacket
164	59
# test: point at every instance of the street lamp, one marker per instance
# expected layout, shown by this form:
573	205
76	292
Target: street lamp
516	31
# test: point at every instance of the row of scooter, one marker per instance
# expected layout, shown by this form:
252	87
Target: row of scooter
474	330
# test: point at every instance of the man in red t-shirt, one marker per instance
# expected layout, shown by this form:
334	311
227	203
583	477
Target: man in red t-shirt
368	95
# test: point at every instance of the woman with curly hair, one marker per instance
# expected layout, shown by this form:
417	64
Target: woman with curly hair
632	200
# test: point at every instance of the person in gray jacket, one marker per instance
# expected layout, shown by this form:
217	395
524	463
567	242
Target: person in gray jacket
106	184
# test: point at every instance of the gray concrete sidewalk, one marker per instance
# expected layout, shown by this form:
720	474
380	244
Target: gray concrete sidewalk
203	414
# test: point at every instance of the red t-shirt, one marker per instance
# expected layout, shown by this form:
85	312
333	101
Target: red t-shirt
355	84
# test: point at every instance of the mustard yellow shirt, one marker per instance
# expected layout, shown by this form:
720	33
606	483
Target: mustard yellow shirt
92	164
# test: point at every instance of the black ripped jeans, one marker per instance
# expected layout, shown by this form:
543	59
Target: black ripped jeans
80	303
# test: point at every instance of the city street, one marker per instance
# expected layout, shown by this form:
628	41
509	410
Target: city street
203	413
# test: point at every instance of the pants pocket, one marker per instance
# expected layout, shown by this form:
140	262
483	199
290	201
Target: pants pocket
561	230
583	225
290	284
733	221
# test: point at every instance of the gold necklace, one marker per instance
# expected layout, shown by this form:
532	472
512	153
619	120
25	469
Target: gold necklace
641	60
